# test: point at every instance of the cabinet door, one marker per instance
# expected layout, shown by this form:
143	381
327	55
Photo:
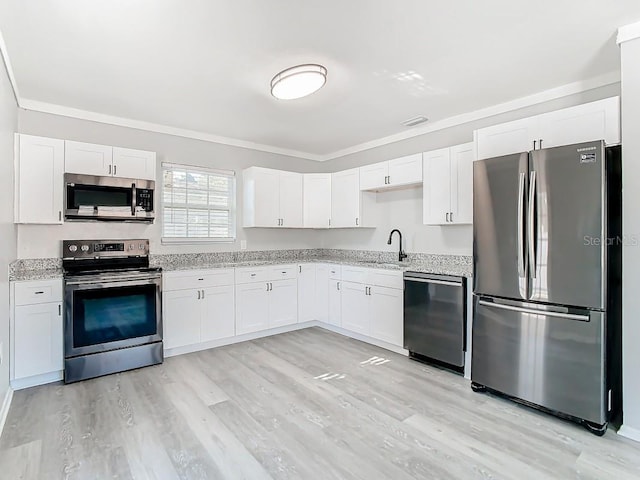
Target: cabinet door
405	170
290	199
317	200
88	159
252	307
386	313
374	176
39	194
436	196
38	343
462	157
583	123
261	197
306	292
136	164
181	315
355	302
335	303
322	293
506	138
218	313
283	305
345	198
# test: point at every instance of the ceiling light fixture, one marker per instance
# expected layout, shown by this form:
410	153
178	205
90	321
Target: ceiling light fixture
298	82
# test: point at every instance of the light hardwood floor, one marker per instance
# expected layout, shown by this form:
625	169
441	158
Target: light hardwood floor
266	409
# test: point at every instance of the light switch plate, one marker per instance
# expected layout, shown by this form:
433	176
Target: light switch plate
243	244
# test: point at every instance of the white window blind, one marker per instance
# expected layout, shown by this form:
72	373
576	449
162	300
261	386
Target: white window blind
198	204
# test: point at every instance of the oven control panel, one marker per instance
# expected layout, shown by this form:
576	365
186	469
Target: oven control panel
78	249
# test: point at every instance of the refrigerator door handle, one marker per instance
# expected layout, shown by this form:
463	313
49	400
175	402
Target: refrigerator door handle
521	181
531	225
568	316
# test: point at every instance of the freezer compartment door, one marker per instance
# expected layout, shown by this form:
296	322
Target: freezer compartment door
500	189
567	220
554	359
434	318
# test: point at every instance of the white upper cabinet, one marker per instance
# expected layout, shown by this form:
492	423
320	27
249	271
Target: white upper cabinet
374	176
405	170
271	198
448	185
392	173
317	200
103	160
506	138
598	120
591	121
290	199
137	164
88	159
349	206
39	179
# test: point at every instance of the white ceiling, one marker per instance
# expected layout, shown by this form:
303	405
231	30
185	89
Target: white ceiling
206	65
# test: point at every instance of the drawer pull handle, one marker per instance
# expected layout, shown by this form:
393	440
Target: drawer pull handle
39	293
200	279
253	274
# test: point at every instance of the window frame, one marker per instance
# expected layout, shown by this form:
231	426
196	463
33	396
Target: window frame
232	207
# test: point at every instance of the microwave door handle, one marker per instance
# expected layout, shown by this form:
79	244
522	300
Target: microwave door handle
133	199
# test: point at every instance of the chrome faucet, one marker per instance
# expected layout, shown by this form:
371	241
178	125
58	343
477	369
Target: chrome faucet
401	253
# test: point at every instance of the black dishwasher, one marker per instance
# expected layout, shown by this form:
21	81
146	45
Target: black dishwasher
435	316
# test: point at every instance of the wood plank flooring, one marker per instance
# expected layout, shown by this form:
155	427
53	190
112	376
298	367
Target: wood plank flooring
302	405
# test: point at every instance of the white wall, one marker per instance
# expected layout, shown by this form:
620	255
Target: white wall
631	230
403	209
8	125
37	241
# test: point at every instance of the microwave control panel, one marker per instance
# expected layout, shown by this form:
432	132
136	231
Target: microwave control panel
144	199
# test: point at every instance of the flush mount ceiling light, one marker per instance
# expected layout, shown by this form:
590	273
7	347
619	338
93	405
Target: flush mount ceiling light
298	82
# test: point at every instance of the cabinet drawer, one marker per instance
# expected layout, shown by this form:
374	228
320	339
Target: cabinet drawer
41	291
283	272
252	274
386	278
354	274
197	279
335	272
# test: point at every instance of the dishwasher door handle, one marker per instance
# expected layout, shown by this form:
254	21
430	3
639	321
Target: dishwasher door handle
437	282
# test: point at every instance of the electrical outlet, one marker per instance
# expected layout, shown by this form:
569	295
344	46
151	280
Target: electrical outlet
243	244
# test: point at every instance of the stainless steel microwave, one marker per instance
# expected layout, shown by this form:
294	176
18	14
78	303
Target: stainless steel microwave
89	197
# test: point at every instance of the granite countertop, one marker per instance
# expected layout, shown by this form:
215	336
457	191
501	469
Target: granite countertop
458	265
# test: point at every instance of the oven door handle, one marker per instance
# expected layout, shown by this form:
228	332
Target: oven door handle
133	199
114	279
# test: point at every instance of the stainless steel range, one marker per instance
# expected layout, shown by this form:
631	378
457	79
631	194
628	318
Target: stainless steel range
112	308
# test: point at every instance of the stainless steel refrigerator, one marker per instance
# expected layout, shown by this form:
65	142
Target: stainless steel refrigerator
547	267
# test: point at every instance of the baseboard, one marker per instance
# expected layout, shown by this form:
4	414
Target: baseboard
171	352
6	404
363	338
629	432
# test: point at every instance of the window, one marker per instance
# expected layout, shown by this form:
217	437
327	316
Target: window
198	204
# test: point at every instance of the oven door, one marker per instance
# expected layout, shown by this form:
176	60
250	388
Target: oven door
111	311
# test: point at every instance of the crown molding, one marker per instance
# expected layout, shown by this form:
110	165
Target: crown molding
9	69
37	106
628	32
523	102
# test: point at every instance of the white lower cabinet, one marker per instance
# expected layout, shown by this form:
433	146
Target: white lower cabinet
198	307
218	313
374	310
37	345
266	304
335	303
307	293
252	307
386	314
321	300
